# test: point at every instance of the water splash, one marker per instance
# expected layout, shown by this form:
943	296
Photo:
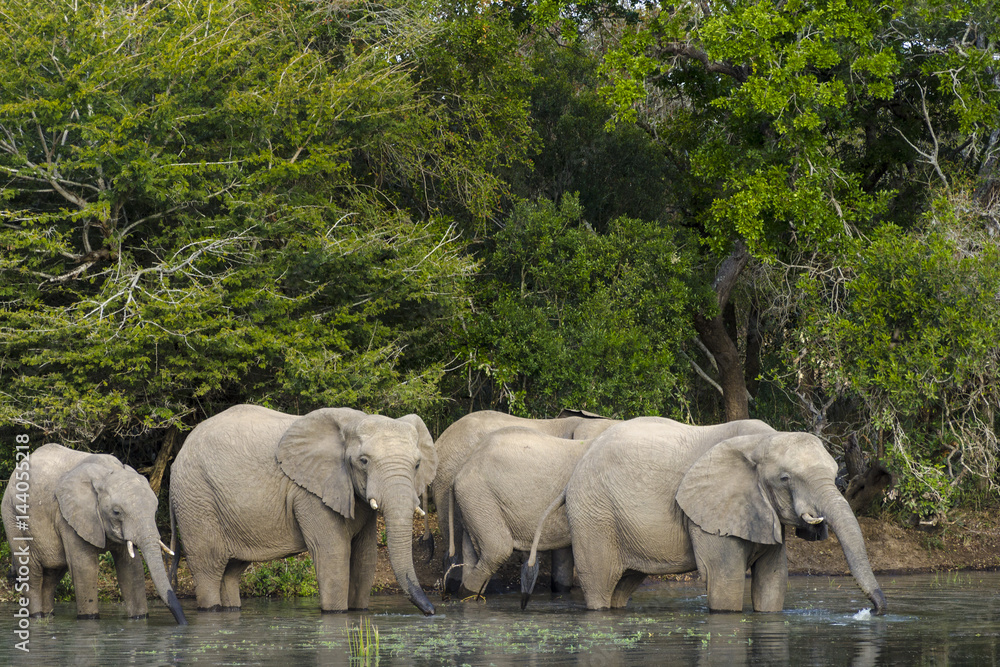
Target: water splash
863	615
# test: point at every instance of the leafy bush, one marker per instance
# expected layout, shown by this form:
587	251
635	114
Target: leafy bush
288	577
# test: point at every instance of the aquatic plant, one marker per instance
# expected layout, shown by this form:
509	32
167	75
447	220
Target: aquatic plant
363	641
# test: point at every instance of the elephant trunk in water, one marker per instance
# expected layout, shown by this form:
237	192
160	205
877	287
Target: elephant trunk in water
149	544
399	537
843	522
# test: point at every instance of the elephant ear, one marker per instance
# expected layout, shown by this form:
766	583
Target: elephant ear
312	453
722	494
76	494
428	453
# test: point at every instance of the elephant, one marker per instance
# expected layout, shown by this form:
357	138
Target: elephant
80	505
502	491
461	438
252	484
653	496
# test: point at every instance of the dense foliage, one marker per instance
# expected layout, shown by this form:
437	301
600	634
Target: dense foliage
705	211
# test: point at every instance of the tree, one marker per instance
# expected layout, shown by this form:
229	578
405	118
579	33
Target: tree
213	203
570	317
801	124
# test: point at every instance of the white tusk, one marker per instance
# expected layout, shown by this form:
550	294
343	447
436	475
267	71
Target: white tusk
131	550
373	504
421	512
809	518
166	548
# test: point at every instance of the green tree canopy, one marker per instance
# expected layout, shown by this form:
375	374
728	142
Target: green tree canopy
207	203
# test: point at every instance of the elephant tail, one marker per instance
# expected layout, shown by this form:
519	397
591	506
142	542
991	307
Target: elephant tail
529	571
451	522
175	557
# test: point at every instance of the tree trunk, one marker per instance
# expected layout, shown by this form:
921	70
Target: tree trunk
162	459
716	338
727	358
866	484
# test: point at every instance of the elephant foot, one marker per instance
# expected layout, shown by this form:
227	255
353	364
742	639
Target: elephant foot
214	607
333	611
560	588
138	617
230	608
41	614
88	617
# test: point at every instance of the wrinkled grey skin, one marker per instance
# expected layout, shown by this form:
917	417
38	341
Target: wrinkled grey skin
80	506
653	496
459	440
502	492
251	484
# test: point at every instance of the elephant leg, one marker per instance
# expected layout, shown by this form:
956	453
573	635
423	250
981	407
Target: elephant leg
207	582
769	579
722	563
364	556
453	576
562	570
83	569
626	586
42	599
229	591
598	565
131	582
486	546
329	544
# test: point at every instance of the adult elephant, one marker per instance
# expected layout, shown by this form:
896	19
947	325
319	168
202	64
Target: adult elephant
460	439
652	496
251	484
503	490
77	506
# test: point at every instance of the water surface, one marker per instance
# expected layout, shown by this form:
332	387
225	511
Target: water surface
942	619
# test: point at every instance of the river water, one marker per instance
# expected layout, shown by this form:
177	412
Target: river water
935	619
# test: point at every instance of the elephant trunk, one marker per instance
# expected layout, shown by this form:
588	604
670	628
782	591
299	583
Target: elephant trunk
843	522
149	544
399	535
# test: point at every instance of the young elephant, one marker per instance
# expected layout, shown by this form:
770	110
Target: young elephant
652	496
78	506
462	438
502	492
251	484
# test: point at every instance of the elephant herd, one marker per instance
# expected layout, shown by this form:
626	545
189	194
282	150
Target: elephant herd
614	501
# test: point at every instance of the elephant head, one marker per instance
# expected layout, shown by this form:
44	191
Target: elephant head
749	486
343	455
105	501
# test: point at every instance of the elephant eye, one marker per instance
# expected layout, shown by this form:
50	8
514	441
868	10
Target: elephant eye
116	511
363	460
785	477
417	467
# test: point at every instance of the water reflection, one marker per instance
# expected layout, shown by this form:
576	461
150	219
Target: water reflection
934	619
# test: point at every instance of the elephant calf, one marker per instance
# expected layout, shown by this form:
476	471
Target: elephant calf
78	506
252	484
503	490
464	436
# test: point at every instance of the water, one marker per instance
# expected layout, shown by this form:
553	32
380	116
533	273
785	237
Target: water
943	619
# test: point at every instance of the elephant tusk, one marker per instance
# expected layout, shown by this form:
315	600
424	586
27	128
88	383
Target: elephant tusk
373	504
813	520
131	549
166	549
420	511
